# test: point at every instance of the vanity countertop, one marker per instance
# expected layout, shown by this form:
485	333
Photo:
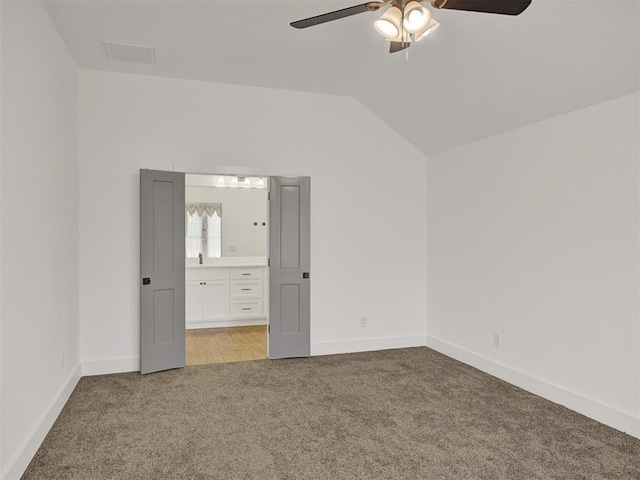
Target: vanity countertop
228	262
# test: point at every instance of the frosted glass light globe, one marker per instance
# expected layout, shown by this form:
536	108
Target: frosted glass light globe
416	17
388	25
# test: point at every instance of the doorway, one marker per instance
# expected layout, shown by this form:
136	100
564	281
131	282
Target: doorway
163	265
226	268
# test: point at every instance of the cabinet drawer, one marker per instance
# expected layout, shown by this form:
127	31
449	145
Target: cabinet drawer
246	289
245	273
246	309
206	273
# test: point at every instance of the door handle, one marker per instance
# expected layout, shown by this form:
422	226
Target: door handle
146	281
305	275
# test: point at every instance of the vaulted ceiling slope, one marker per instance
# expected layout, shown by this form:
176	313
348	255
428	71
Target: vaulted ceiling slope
477	76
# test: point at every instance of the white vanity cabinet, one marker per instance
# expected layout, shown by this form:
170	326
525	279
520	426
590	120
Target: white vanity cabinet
206	295
225	296
246	292
207	300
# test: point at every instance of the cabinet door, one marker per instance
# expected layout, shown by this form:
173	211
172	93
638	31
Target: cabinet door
216	300
193	294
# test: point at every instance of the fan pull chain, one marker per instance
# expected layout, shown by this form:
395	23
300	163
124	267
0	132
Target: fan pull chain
412	39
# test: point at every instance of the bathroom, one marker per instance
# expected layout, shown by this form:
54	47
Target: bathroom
226	268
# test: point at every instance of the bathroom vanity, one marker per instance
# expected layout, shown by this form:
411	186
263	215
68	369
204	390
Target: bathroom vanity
227	292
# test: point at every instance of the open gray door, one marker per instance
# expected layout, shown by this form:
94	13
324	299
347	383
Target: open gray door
162	263
289	257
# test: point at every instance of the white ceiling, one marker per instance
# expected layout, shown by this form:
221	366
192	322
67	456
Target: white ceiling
477	76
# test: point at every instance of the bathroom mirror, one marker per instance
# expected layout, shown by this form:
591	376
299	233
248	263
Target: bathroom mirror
226	216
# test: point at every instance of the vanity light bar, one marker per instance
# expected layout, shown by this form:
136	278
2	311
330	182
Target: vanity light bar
234	181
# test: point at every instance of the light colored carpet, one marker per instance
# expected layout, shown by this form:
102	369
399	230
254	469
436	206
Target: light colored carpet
397	414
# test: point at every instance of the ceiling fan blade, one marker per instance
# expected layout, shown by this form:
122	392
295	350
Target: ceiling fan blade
331	16
503	7
398	46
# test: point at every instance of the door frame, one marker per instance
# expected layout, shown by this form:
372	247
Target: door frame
242	171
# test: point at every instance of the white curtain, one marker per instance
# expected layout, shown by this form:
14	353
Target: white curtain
214	236
194	235
204	229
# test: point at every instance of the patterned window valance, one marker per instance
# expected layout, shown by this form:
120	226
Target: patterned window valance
204	208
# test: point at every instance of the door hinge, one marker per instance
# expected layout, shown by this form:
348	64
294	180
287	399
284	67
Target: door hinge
269	196
268	328
268	262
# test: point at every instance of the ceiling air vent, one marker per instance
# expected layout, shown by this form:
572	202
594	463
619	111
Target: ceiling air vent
127	52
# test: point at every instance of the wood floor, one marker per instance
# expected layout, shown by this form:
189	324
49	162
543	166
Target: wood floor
224	345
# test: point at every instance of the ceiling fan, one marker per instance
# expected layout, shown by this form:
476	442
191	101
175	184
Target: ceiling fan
407	21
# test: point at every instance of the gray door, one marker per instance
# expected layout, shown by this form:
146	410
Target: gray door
162	263
289	256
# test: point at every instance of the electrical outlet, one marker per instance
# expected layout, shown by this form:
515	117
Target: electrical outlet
363	322
496	339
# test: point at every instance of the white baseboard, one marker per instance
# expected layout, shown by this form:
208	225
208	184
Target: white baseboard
227	323
19	463
367	344
132	364
115	365
607	414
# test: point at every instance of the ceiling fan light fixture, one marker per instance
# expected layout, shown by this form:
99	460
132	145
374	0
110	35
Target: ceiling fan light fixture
389	24
406	21
416	17
431	27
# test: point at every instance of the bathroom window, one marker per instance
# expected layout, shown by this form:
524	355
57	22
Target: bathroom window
204	229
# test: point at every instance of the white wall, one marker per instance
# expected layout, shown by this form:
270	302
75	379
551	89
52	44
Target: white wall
241	208
39	230
533	234
368	201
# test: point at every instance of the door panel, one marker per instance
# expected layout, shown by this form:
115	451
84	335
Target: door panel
162	269
163	222
290	309
289	227
289	253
